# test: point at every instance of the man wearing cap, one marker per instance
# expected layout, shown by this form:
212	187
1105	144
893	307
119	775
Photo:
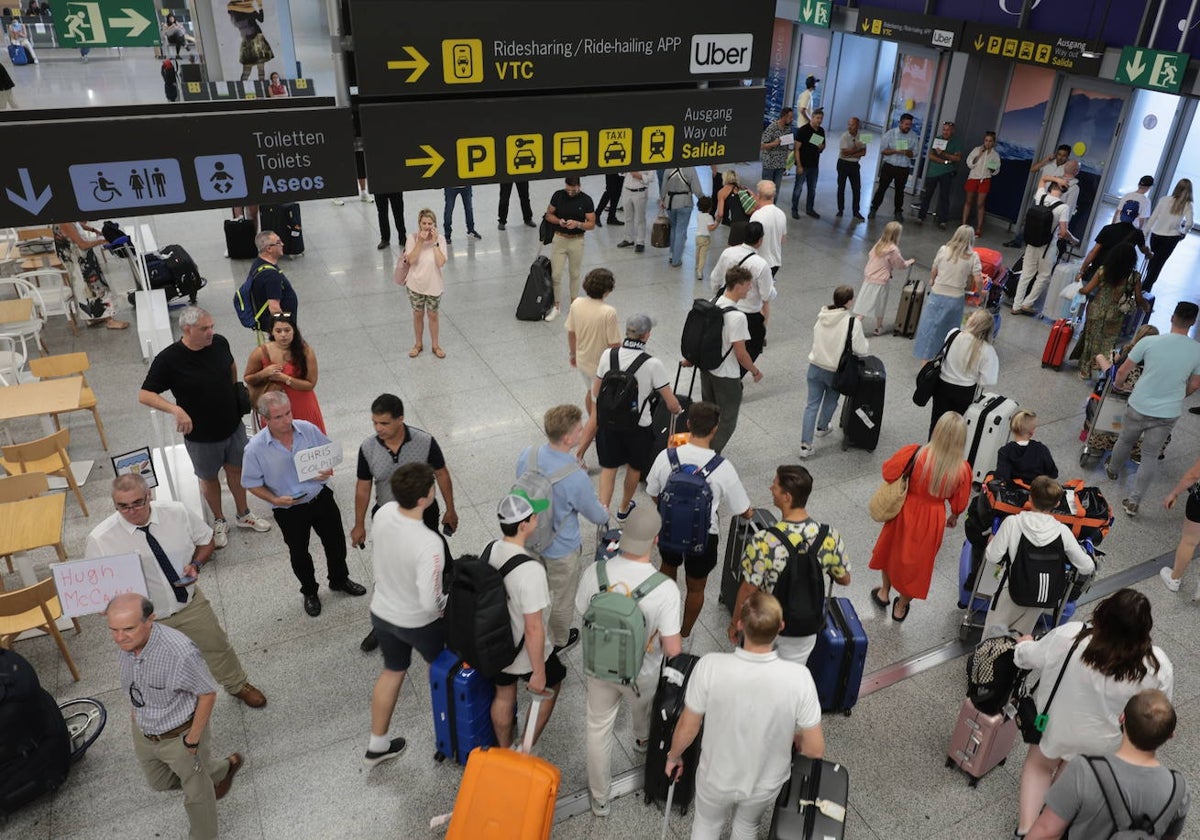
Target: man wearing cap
622	441
1170	371
406	609
944	154
173	544
529	612
1138	200
660	607
897	148
804	104
810	142
1124	231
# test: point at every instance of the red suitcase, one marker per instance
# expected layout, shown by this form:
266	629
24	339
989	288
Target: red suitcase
1056	346
980	742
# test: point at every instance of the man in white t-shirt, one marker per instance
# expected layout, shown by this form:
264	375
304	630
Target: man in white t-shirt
756	303
704	418
723	384
1138	198
1039	260
529	612
774	223
775	705
660	608
621	439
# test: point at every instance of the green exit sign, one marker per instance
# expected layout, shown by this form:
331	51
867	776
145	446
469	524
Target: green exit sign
1152	69
106	23
815	12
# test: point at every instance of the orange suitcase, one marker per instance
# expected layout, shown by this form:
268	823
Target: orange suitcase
504	795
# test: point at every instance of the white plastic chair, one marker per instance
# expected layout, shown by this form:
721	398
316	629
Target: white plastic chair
31	330
13	358
58	298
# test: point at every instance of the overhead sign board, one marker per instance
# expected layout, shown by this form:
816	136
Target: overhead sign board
415	47
1071	55
927	30
1152	69
815	12
417	145
267	156
106	23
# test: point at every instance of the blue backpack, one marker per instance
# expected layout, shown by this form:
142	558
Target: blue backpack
247	310
685	506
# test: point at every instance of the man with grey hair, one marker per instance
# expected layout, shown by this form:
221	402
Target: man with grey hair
173	545
200	373
621	425
774	222
850	153
270	291
300	506
173	695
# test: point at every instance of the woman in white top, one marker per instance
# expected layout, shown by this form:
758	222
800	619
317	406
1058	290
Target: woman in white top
970	362
956	271
1114	660
1167	225
834	324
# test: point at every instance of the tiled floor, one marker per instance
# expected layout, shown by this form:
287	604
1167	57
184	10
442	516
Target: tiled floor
484	403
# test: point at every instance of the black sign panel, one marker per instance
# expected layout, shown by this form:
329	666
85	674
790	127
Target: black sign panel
417	145
1058	52
413	47
169	164
926	30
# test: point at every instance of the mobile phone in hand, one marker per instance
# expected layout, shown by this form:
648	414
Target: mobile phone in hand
448	529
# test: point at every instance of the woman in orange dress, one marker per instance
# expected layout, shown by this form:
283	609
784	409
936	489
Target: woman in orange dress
908	544
286	363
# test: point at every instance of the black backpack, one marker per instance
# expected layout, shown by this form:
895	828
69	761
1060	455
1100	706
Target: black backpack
801	587
700	343
35	747
617	404
1037	576
1039	223
477	623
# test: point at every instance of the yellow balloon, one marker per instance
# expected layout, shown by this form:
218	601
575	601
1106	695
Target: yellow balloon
908	104
1080	148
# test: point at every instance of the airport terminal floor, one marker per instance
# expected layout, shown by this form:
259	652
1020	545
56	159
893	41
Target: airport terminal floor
484	403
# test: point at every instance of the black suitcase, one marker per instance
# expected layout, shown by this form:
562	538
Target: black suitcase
538	297
35	747
740	532
812	803
668	706
239	239
284	219
661	421
862	413
185	276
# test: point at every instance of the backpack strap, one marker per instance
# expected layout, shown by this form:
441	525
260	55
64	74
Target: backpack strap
1108	785
708	469
647	585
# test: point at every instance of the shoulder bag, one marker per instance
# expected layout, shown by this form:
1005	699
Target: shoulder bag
888	498
931	373
845	379
1032	723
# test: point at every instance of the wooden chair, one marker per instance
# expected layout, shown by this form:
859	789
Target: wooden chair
70	364
45	455
34	608
18	488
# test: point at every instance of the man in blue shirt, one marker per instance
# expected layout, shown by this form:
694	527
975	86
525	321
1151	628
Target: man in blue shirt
898	147
1170	372
270	291
299	506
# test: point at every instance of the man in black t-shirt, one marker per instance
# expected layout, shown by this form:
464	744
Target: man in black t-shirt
571	212
810	142
1122	232
270	287
200	373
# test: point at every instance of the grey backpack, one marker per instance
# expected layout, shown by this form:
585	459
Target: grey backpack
538	485
1126	826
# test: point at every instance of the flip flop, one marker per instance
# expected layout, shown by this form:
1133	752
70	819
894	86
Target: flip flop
439	352
416	351
899	619
882	603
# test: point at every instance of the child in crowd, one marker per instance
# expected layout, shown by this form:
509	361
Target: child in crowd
705	225
1023	457
885	257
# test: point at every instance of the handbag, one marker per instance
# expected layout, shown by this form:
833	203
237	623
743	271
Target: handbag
931	373
400	275
243	398
545	231
845	379
1127	303
888	498
1032	723
255	50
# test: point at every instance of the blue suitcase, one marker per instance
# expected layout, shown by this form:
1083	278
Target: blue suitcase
17	55
838	659
462	708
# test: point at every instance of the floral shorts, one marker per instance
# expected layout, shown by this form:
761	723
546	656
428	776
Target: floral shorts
420	302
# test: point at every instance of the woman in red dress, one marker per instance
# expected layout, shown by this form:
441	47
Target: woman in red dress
908	544
286	363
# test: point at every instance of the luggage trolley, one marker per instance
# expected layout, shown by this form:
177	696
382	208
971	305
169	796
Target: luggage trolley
1103	417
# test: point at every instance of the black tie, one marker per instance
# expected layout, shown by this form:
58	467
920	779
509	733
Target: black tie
165	564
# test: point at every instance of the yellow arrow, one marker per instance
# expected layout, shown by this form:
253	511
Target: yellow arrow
415	62
866	24
978	42
434	161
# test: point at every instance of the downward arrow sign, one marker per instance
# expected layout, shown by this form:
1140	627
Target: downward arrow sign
31	202
807	10
1134	68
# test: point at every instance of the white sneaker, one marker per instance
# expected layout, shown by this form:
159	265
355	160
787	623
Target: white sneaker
367	198
338	202
251	520
825	431
552	314
1168	581
220	533
806	449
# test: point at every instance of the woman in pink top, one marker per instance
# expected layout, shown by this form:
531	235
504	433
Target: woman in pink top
885	257
424	256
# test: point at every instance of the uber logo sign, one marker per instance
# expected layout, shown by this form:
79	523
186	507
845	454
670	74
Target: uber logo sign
942	38
721	53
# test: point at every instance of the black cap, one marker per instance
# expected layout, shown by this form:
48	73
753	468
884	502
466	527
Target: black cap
1186	311
1146	181
810	81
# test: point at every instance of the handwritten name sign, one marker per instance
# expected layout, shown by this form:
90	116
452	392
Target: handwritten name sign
86	586
319	459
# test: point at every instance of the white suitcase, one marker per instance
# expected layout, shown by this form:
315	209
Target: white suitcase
987	431
1056	306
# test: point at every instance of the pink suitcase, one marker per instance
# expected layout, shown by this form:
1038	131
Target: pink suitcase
980	742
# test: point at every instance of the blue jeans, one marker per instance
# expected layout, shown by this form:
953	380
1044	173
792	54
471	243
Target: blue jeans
451	194
775	175
810	179
820	396
680	216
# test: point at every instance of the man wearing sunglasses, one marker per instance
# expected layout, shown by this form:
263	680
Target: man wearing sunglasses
269	286
172	694
173	545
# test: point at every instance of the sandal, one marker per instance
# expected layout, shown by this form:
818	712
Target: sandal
439	352
899	619
114	324
878	331
882	603
415	351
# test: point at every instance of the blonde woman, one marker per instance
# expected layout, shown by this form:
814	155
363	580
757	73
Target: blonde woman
971	362
1167	225
884	258
956	271
425	254
908	544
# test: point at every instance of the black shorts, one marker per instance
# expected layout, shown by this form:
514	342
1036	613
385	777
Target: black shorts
618	448
1192	511
556	672
695	566
397	643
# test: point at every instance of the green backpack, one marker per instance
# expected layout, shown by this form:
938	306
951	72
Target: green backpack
614	630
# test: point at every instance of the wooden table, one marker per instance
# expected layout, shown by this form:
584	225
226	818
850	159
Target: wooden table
40	261
47	397
16	311
32	523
